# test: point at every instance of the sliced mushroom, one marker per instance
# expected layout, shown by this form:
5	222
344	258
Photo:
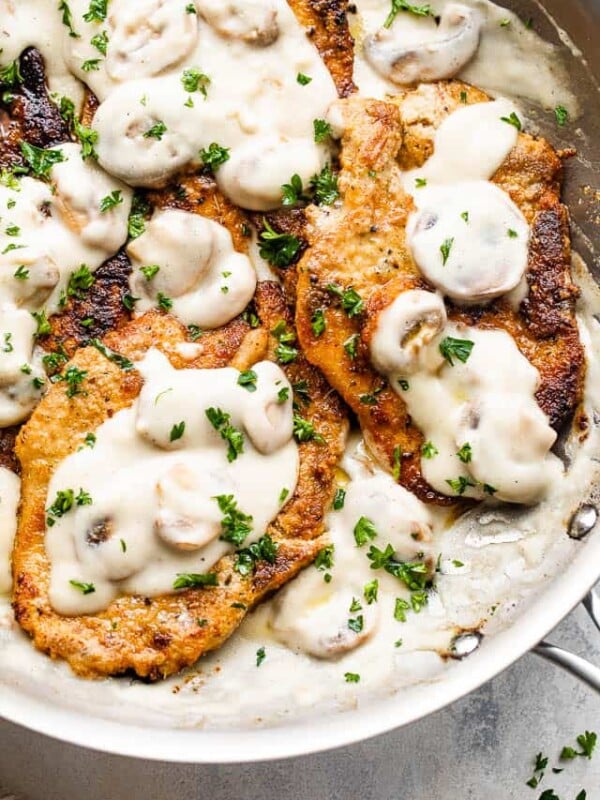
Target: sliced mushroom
510	439
252	21
267	414
143	145
108	543
179	243
451	47
29	276
257	170
404	329
147	36
80	187
469	240
207	280
314	616
19	389
188	516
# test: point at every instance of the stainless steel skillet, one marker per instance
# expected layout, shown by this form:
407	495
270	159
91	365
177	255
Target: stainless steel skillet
581	19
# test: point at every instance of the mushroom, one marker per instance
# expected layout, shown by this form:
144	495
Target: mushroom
188	517
39	275
510	439
469	240
404	329
207	280
143	145
251	21
314	616
148	36
256	171
267	414
80	187
405	62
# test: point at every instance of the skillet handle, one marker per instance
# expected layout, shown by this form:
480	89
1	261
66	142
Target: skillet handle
577	666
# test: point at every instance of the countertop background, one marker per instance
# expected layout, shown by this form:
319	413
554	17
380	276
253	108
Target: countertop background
480	748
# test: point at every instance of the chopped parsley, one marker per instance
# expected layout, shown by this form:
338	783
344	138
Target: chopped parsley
214	156
420	183
195	332
318	322
84	588
279	249
150	271
67	18
587	742
429	450
190	8
370	591
221	422
248	380
90	440
91	65
177	431
265	549
397	463
260	656
10	75
137	223
351	345
465	216
445	249
8	347
63	502
513	120
121	361
43	326
351	677
283	496
401	606
404	5
325	186
322	130
235	525
97	11
460	485
324	559
403	384
364	530
339	499
164	303
193	80
512	234
195	580
352	302
111	200
21	273
80	282
293	192
562	115
73	377
100	42
157	131
356	624
40	161
465	453
461	349
304	430
283	395
302	79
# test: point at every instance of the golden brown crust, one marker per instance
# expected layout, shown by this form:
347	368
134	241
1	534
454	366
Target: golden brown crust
154	637
326	22
363	245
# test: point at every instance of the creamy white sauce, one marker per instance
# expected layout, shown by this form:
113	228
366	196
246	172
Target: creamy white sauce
10	489
468	237
469	240
250	55
485	433
48	231
153	477
198	269
510	59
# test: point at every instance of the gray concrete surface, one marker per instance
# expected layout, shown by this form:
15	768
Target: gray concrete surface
481	748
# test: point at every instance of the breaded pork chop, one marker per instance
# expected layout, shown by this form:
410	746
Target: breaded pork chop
155	637
361	246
